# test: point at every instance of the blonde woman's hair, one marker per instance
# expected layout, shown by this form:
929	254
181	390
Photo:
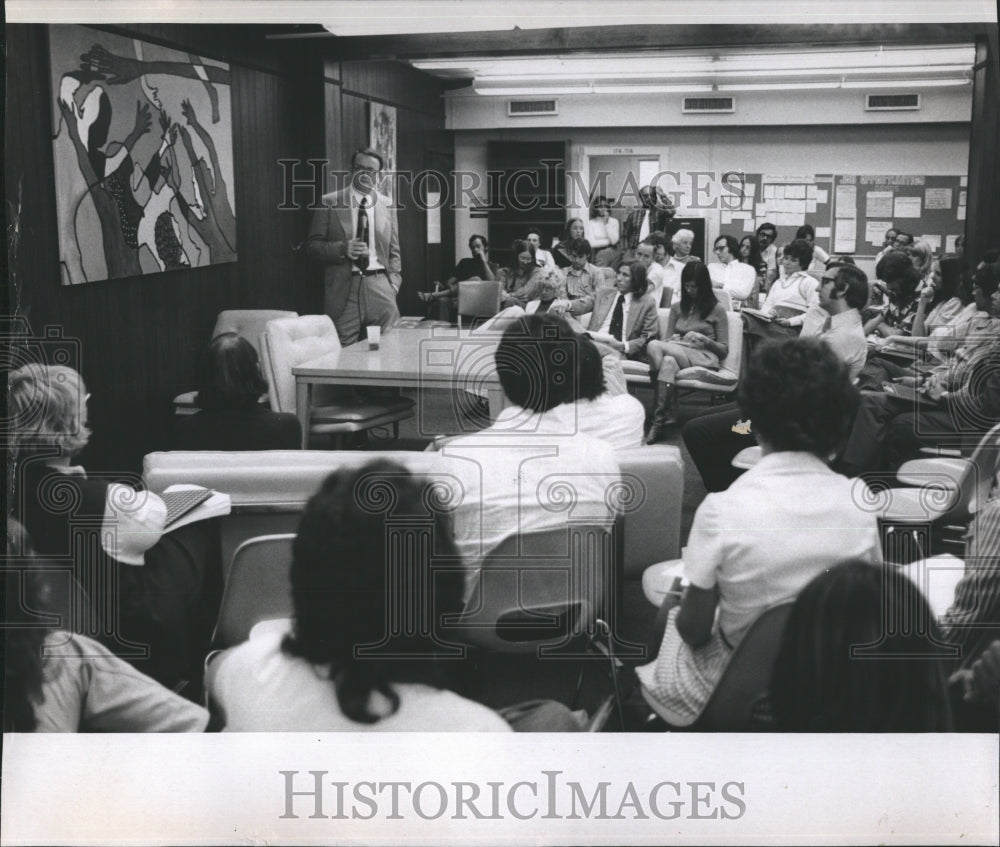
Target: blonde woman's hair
45	408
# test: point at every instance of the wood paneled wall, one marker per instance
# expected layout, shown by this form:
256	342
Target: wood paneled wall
139	338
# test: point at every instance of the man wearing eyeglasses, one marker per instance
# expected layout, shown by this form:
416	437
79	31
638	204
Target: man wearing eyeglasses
356	237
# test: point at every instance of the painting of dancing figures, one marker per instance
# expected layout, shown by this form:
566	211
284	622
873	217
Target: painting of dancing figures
143	149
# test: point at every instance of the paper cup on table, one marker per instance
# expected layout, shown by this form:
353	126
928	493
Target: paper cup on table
374	337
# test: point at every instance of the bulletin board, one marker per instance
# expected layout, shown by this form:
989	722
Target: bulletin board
932	208
788	202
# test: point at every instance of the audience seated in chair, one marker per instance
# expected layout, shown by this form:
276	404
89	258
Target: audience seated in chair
824	681
230	388
478	266
729	273
785	520
330	669
150	588
900	280
581	278
713	440
58	681
522	279
959	401
697	335
518	472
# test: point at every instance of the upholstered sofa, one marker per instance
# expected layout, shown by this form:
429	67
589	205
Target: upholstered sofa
270	488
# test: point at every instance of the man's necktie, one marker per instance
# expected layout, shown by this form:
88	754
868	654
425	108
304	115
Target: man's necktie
826	325
362	261
617	318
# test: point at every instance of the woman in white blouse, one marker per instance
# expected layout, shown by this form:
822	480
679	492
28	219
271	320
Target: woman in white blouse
728	272
603	233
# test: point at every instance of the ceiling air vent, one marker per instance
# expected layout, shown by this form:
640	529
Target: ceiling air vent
891	102
701	105
518	108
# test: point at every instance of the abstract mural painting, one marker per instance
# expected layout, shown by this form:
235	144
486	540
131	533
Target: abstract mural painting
382	137
143	149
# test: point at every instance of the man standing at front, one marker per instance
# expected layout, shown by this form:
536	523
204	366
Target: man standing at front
357	238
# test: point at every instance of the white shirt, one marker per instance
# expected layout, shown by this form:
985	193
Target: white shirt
605	327
655	276
845	334
617	419
601	233
672	277
784	521
371	205
260	688
796	292
543	258
770	256
736	278
514	476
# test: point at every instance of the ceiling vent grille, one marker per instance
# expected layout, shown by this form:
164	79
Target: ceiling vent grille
701	105
530	108
891	102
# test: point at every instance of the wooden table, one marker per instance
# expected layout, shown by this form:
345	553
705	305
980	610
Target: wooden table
419	357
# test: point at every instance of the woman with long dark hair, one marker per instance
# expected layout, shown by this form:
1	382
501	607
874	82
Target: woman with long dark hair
575	229
820	684
362	651
522	280
940	301
697	336
750	255
604	233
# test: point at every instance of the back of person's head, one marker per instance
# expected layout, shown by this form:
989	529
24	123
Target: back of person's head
536	362
895	268
799	395
704	299
820	684
352	584
840	260
590	370
922	257
953	276
47	409
229	375
987	279
800	250
23	671
851	283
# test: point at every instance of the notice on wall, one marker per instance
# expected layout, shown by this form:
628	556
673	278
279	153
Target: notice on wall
845	236
878	204
950	243
847	201
433	217
822	196
937	198
822	232
933	241
907	207
875	231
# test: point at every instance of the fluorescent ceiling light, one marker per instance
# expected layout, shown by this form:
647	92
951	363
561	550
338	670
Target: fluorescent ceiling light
778	86
905	83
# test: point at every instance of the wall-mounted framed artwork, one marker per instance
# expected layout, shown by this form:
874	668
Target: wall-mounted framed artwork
143	150
382	137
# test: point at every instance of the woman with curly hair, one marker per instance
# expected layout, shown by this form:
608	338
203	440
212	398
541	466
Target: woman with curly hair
155	593
785	520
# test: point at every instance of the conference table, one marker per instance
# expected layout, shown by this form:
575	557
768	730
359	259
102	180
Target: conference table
408	357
